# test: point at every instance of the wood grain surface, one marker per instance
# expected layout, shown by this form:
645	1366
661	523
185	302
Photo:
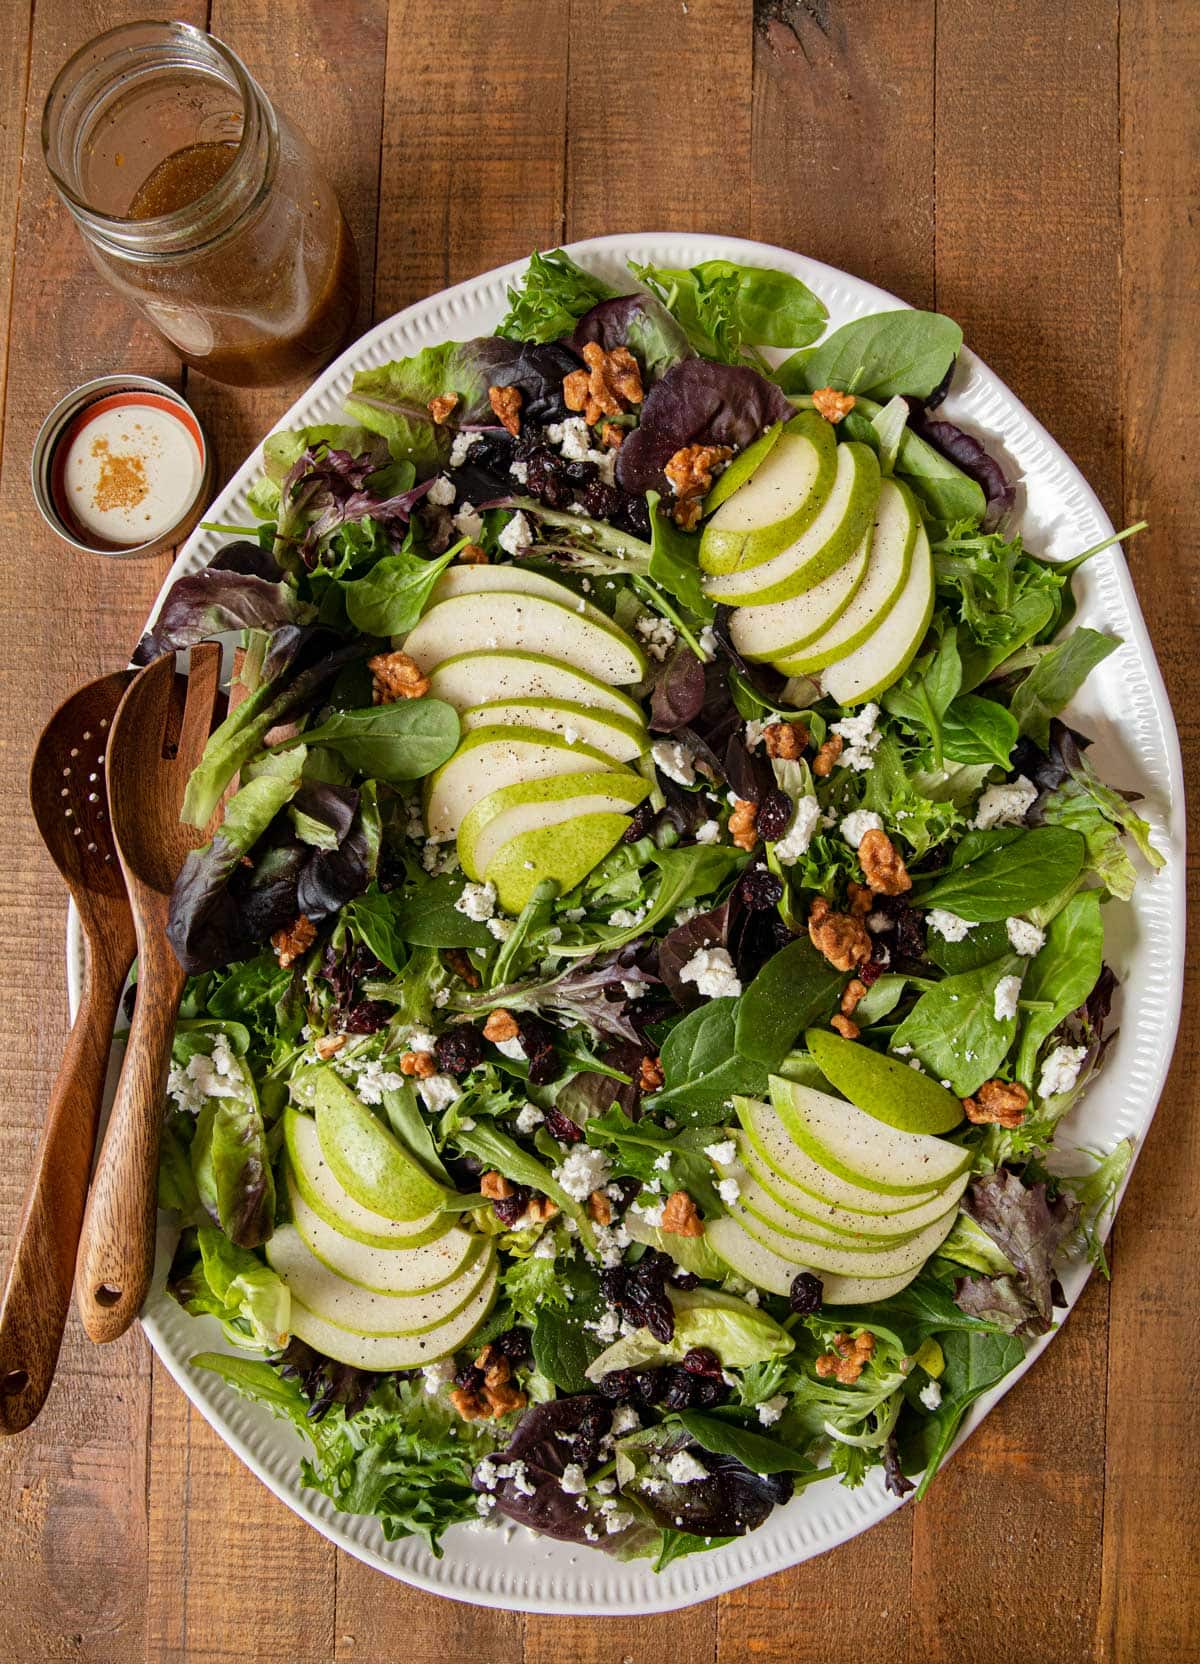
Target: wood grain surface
1031	168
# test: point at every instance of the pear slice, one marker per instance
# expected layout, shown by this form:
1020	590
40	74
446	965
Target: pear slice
883	1086
778	1151
888	1258
854	1146
490	758
744	464
756	631
771	1271
530	805
467	679
409	1351
332	1203
775	502
845	517
565	853
889	650
781	1200
516	580
501	619
366	1158
621	740
395	1270
363	1310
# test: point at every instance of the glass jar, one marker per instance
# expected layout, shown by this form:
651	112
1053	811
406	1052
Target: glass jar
200	204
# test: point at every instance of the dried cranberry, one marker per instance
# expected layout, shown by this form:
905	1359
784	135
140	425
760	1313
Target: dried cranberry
701	1360
600	501
774	815
872	970
459	1051
685	1279
806	1294
760	890
367	1017
537	1039
585	1445
633	1385
469	1377
686	1391
513	1344
612	1284
640	823
562	1127
644	1300
508	1209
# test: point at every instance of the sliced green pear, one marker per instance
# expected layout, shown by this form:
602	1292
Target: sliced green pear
890	1258
757	631
771	506
744	464
491	758
564	853
771	1271
889	650
531	805
410	1351
778	1151
502	620
467	679
886	1088
836	532
331	1202
854	1146
617	738
365	1311
516	580
789	1201
367	1159
395	1270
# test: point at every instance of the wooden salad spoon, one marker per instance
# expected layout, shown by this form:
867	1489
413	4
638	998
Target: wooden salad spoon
67	789
157	740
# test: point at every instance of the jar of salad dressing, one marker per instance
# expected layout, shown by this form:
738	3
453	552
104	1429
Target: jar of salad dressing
200	204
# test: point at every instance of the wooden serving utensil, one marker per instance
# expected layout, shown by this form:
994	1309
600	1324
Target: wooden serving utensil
67	789
157	740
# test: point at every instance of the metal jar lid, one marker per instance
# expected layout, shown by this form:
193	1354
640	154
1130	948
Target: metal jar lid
180	481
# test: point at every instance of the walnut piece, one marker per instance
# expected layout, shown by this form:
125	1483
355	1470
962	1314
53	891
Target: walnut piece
882	864
687	513
680	1216
690	469
998	1102
472	554
599	1208
831	404
442	406
851	994
861	898
786	740
845	1026
610	385
293	940
395	676
612	437
329	1045
506	402
539	1212
494	1395
650	1075
743	824
843	940
459	961
420	1064
501	1025
849	1357
827	756
496	1187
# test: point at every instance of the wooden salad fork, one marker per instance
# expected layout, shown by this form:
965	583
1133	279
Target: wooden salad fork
67	789
157	740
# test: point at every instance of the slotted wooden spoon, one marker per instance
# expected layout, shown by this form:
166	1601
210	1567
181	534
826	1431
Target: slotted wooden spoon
157	740
67	789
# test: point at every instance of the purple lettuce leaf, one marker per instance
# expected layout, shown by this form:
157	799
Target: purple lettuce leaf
679	691
697	402
595	992
548	1437
643	325
234	595
678	946
1028	1228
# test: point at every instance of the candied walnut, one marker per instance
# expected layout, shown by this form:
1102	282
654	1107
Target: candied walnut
472	554
850	1356
329	1045
599	1208
851	994
496	1187
831	404
686	513
827	756
861	898
845	1026
395	676
458	961
881	862
539	1212
503	1399
293	940
501	1025
999	1102
690	469
743	824
681	1216
611	436
420	1064
610	385
506	402
842	940
786	740
650	1075
469	1404
442	406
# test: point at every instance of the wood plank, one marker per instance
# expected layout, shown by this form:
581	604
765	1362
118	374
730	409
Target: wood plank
15	30
1150	1601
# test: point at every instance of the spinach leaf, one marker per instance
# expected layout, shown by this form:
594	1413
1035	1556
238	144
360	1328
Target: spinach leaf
980	946
954	1030
1062	975
973	1363
1055	680
1029	870
394	593
946	494
723	306
426	916
923	695
563	1349
371	919
1027	617
926	1307
674	562
686	873
978	731
553	293
396	743
674	1545
883	354
702	1069
753	1450
635	1147
795	988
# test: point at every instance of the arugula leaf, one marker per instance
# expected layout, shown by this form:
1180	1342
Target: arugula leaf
954	1030
1023	873
702	1069
1056	679
880	355
753	1450
978	730
396	743
795	988
973	1363
1061	976
553	293
394	593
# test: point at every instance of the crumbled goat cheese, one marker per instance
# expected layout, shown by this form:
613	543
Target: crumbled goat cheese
635	990
468	522
1005	804
684	1469
573	915
202	1076
948	925
931	1396
584	1170
462	444
501	929
729	1190
511	1049
712	970
658	635
438	1093
617	1520
770	1410
1026	938
626	917
879	924
529	1119
709	833
607	1327
1060	1071
374	1080
861	737
662	1163
414	825
754	730
573	1481
676	762
478	901
799	835
442	492
722	1153
416	1039
611	1242
438	1375
625	1420
486	1473
708	642
1008	992
516	536
516	1472
575	443
903	1051
855	826
545	1248
519	472
651	1212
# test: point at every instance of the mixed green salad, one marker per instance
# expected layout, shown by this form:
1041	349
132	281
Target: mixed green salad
655	927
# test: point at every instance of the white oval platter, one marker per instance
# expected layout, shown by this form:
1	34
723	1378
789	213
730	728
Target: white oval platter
1124	708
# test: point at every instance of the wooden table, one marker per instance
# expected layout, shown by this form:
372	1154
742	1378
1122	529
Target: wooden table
1030	168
